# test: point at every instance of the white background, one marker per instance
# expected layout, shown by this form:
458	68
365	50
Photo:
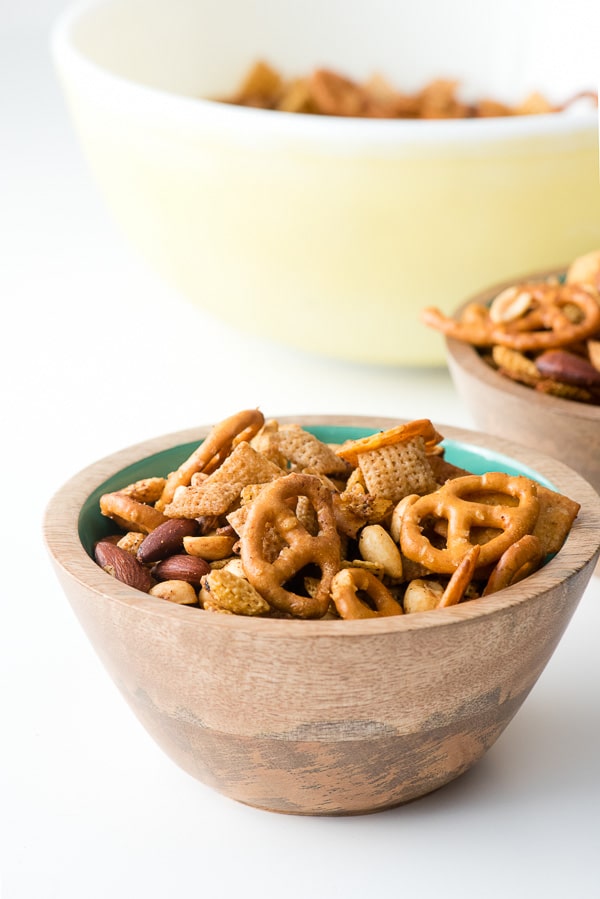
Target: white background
97	354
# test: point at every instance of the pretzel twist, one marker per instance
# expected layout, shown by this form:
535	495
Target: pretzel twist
544	325
451	503
272	509
344	592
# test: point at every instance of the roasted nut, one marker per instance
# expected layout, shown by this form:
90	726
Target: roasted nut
568	367
180	592
376	545
122	565
585	270
211	547
181	567
422	595
166	539
510	304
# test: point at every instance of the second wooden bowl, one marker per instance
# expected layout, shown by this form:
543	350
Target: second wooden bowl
562	428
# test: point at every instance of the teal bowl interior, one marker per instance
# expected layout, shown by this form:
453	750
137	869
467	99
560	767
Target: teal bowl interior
93	525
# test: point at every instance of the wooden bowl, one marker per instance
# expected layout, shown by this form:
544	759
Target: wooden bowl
322	717
564	429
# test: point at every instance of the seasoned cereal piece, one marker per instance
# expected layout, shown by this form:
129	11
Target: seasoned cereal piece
395	463
515	364
233	594
566	391
296	97
266	442
220	490
131	541
261	87
368	507
305	450
212	451
555	519
335	95
398	470
421	427
444	470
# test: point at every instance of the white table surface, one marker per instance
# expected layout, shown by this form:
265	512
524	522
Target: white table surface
98	354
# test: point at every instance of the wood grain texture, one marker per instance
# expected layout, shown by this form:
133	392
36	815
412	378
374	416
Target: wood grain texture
325	717
567	430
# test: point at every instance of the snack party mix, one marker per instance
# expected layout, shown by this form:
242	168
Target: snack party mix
264	519
326	92
544	334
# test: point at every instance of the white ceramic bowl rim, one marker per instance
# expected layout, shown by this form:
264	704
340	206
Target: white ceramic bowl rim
170	107
61	533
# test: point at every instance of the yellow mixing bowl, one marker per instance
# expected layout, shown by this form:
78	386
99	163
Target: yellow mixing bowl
324	233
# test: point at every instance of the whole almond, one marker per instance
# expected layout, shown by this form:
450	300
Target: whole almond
181	567
166	539
568	367
122	565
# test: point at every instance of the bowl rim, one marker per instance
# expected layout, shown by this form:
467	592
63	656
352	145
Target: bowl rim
70	559
171	106
467	357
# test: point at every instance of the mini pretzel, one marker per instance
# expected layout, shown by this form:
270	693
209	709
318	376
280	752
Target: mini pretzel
344	593
129	513
517	562
401	434
451	503
543	326
213	450
272	511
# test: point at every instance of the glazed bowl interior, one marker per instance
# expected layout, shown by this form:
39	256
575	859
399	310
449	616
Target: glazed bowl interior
273	220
